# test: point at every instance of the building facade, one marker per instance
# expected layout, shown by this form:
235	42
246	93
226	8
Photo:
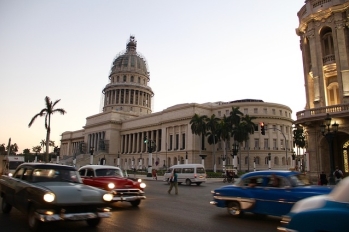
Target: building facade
116	135
324	42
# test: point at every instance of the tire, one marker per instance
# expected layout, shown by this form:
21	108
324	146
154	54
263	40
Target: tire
93	222
34	224
187	182
5	207
135	203
234	208
198	183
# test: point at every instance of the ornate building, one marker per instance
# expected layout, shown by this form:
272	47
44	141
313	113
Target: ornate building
324	42
117	134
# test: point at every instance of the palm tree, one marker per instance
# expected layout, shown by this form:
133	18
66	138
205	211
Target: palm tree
43	143
198	127
47	112
250	128
212	128
235	116
224	133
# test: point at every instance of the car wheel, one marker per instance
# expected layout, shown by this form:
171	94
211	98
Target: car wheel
135	203
6	207
187	182
34	224
93	222
234	208
198	183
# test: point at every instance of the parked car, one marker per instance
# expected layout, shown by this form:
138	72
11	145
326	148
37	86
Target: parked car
111	178
320	213
187	173
51	192
266	193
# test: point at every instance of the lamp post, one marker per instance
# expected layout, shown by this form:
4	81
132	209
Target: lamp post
330	135
235	152
118	162
150	144
140	161
92	149
269	161
254	164
224	158
293	160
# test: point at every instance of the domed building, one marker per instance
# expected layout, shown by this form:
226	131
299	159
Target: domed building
117	135
323	32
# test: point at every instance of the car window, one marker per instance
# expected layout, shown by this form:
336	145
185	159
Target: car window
169	170
90	173
109	172
252	181
18	174
200	170
178	170
82	172
299	180
188	170
55	174
27	174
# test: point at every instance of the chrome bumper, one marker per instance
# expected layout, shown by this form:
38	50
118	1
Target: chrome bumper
128	198
71	216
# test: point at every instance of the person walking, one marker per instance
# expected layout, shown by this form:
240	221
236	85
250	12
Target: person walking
173	182
338	175
323	179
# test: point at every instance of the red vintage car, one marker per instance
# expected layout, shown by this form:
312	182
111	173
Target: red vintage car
111	178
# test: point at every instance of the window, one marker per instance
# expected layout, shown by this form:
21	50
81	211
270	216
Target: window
273	110
177	141
257	160
282	129
274	144
227	112
255	110
219	113
280	112
282	143
266	144
117	79
171	142
124	79
139	80
132	78
274	127
183	141
245	110
256	143
276	160
285	113
188	170
265	111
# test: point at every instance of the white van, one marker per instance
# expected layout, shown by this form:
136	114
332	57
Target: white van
187	173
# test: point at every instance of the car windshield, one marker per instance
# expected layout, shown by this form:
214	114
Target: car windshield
299	180
109	172
57	175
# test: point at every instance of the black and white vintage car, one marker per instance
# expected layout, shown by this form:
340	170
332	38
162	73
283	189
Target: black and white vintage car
52	192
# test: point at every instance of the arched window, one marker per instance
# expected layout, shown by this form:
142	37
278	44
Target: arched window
276	160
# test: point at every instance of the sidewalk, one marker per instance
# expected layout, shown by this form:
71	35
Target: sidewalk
161	178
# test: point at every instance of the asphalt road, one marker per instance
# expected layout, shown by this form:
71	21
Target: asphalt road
188	211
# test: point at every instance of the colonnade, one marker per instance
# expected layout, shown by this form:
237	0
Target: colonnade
128	96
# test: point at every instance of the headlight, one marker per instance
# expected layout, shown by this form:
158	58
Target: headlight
143	185
49	197
111	185
10	174
139	180
108	197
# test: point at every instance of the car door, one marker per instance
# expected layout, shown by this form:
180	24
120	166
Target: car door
277	198
21	196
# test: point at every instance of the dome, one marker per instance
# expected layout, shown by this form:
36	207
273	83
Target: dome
130	60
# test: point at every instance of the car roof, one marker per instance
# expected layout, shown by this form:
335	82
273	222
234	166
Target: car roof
46	165
270	172
99	166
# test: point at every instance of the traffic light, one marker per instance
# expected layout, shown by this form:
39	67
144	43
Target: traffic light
262	128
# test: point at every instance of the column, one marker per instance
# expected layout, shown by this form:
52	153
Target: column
314	61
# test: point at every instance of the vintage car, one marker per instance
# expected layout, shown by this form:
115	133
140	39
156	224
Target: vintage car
51	192
111	178
265	193
320	213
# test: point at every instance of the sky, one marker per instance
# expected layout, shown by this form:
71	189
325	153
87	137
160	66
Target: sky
197	51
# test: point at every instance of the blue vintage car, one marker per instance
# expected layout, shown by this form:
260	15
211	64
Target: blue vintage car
328	213
271	192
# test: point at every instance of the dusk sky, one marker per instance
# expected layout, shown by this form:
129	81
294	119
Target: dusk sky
197	51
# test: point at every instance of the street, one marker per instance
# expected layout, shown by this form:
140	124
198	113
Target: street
188	211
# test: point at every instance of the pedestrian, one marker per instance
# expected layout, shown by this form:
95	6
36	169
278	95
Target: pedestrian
338	175
323	179
173	182
154	174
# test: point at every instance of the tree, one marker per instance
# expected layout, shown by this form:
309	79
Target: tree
212	128
13	149
224	132
47	112
250	128
26	151
198	127
43	144
2	149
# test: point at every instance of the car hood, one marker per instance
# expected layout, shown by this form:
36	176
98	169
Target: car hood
309	203
68	192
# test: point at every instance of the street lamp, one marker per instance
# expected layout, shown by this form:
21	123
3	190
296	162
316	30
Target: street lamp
293	160
235	152
254	164
224	158
92	149
329	135
269	161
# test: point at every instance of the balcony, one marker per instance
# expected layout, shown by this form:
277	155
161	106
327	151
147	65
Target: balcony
319	113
